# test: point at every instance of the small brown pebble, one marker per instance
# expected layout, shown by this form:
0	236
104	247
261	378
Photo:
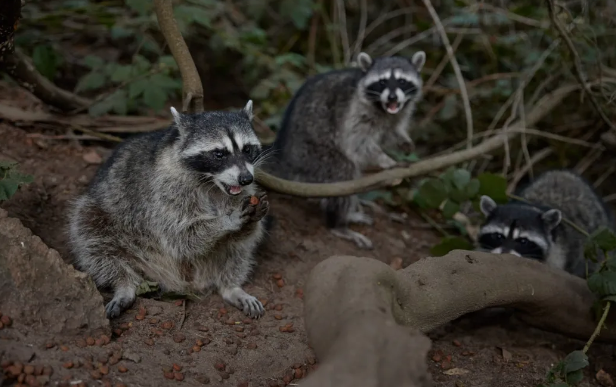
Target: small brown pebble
22	378
168	325
176	367
229	341
149	342
280	283
6	364
47	370
31	381
179	302
240	335
96	375
311	360
251	346
107	383
122	368
196	348
99	342
1	325
437	356
230	322
254	200
169	375
103	359
287	379
29	369
90	341
298	373
278	307
203	329
81	343
120	385
117	332
239	329
199	342
104	369
6	321
457	343
220	366
247	321
254	332
278	316
64	348
297	365
222	311
243	384
224	375
203	379
68	365
468	353
299	293
124	326
16	369
179	337
38	369
178	376
50	344
113	360
154	320
277	276
140	317
142	311
446	364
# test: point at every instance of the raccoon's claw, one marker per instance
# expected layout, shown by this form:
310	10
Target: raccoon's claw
117	305
244	302
255	212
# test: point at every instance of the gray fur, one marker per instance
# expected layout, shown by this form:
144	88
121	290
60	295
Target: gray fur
154	212
338	124
554	195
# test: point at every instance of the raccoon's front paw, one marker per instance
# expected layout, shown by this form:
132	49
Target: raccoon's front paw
244	302
407	146
386	162
254	208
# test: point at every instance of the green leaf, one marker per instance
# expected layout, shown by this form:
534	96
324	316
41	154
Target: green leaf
434	192
46	60
472	188
155	97
448	244
610	298
299	11
91	81
121	73
604	238
146	287
575	361
460	178
168	61
93	61
494	186
120	102
387	196
575	377
164	82
8	164
292	58
450	208
137	88
119	32
101	107
8	187
603	283
142	7
11	180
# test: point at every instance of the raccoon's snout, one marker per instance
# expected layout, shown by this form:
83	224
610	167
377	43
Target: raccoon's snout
392	97
245	178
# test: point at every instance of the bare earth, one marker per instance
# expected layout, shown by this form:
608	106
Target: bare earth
210	343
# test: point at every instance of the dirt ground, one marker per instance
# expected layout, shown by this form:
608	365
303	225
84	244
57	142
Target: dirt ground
210	343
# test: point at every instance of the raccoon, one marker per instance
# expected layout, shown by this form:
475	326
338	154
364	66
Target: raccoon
537	231
337	125
174	206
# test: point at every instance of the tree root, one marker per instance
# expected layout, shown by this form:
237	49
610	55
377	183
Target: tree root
364	318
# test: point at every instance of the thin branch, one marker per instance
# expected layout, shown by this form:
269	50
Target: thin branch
363	4
456	68
441	66
192	92
577	63
344	35
542	154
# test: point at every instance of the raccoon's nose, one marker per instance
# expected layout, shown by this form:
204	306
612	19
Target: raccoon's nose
245	178
392	97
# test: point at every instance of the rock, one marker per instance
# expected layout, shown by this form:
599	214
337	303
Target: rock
92	158
39	289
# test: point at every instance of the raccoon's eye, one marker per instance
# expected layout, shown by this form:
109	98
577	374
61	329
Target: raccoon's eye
402	81
382	82
246	150
219	154
522	241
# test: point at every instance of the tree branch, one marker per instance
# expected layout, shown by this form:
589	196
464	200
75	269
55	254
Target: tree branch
358	311
577	63
192	93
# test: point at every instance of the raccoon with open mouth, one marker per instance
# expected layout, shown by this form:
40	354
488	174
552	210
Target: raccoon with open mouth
175	206
337	125
537	231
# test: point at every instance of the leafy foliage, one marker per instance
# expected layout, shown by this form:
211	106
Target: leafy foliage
11	179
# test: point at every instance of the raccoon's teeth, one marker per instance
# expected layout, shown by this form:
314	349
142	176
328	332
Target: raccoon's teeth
235	189
392	107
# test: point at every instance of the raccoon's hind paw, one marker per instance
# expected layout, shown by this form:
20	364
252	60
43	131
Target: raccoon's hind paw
121	301
254	212
360	218
360	240
244	302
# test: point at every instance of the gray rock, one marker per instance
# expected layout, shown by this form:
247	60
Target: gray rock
41	291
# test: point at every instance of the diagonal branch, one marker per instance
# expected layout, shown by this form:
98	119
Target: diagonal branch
577	63
192	93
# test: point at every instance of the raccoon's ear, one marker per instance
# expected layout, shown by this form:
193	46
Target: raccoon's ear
177	119
487	205
248	109
364	61
552	218
419	60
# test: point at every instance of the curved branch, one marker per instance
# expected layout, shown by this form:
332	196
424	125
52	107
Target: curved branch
192	93
355	306
421	168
